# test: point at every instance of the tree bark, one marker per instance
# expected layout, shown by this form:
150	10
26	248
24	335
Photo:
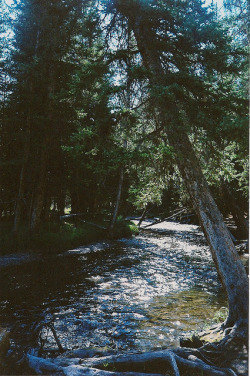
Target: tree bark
228	264
230	269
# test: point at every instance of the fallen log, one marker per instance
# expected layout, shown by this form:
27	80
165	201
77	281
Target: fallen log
157	363
165	219
42	366
59	366
93	224
82	220
162	361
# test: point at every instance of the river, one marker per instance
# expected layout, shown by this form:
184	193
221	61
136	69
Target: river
135	294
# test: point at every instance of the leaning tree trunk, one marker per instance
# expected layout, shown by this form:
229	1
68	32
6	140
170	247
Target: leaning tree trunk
230	269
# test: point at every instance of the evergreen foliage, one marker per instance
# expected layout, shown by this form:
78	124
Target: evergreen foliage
78	110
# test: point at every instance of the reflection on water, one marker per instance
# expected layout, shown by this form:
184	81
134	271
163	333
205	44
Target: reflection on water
141	293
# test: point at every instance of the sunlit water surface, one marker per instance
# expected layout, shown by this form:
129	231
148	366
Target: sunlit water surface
139	294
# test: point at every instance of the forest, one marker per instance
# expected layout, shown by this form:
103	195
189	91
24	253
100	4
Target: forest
112	110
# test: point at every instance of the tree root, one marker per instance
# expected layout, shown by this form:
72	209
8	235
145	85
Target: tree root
155	363
166	360
211	359
79	370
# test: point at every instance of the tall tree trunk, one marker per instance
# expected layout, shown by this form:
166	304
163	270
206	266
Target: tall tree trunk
61	202
22	181
74	192
117	203
228	264
40	190
46	207
39	197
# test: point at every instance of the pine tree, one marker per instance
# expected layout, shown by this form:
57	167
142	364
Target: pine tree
179	46
43	33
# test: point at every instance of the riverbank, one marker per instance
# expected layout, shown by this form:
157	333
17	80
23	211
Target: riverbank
178	230
58	237
132	294
138	294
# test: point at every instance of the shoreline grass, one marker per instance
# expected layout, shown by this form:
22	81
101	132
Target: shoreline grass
58	237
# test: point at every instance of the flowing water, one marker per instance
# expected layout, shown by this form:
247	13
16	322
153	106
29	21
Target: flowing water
137	294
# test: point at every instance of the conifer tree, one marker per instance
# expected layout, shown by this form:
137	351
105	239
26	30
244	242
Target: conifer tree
180	44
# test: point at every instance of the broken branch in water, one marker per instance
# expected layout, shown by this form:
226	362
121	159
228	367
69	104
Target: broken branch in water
48	325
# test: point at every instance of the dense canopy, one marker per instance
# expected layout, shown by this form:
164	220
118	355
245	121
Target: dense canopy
114	108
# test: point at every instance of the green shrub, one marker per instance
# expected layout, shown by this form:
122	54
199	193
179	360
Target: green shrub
220	315
124	228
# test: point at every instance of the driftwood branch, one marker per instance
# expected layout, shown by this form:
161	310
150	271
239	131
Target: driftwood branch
71	215
93	224
52	328
82	220
165	219
49	325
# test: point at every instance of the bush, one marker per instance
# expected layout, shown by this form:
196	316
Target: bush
124	228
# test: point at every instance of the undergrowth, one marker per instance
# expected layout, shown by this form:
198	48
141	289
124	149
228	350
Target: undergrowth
57	237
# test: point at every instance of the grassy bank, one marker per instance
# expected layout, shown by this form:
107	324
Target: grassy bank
56	237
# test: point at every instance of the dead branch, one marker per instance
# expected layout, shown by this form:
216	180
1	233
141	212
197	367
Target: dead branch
52	328
38	332
82	220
